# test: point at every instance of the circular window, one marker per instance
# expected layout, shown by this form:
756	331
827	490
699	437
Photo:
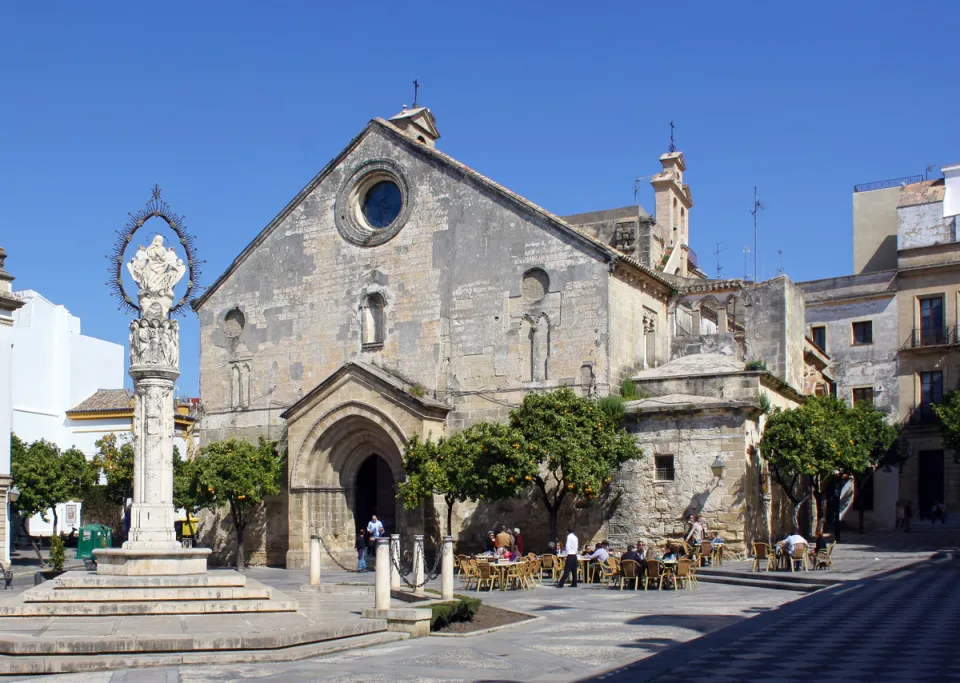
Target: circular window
373	203
535	285
382	204
233	322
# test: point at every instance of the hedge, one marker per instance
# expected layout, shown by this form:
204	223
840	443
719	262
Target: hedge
445	613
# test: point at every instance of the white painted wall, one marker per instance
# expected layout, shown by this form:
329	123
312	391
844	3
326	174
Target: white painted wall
6	420
55	367
951	195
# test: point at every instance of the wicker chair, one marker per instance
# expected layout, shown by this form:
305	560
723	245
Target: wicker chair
551	564
762	552
629	571
606	570
682	577
460	562
653	574
705	552
536	571
824	558
486	576
799	554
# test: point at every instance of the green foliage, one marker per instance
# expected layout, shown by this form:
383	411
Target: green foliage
756	365
576	446
47	477
464	608
613	407
486	460
948	413
764	401
631	392
100	508
235	473
58	554
418	391
824	441
115	459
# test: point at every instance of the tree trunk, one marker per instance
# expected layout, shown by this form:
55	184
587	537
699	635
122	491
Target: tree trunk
55	520
240	551
819	504
33	541
553	512
796	511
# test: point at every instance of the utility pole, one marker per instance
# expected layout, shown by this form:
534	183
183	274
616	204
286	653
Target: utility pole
717	254
757	207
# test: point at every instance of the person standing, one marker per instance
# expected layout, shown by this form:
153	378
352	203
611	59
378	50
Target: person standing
695	535
361	550
572	546
517	542
375	528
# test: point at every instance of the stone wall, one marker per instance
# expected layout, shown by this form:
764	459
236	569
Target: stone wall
774	327
654	510
628	340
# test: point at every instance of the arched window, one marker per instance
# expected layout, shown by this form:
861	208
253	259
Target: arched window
373	320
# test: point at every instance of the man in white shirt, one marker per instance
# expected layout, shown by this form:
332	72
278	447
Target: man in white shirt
375	528
598	557
572	546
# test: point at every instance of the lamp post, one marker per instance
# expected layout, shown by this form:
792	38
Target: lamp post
12	496
718	467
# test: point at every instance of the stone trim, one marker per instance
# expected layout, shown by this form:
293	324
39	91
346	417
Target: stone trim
348	212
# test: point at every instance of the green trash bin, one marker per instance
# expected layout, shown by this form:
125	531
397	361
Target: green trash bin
92	536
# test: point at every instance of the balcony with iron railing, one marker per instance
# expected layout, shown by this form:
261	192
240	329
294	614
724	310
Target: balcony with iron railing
922	414
932	336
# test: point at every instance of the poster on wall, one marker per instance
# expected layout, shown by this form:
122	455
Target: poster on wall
70	517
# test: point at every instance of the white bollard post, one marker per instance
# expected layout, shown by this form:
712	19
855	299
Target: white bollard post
446	569
394	561
314	560
382	577
418	564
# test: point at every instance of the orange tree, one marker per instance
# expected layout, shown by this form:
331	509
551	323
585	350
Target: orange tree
237	474
115	460
485	461
575	444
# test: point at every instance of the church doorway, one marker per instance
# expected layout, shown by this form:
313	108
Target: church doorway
375	494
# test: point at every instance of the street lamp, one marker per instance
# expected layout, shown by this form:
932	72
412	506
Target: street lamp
718	467
13	494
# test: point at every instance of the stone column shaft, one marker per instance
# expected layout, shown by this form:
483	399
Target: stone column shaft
394	560
314	560
446	569
418	564
382	577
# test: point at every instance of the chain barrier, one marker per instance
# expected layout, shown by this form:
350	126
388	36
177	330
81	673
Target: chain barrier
430	576
336	561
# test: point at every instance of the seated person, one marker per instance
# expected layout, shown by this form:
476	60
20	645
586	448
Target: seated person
632	554
551	549
491	544
670	555
599	556
793	540
715	539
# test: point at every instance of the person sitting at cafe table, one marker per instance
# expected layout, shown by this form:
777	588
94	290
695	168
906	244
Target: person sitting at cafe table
793	540
715	539
491	544
670	555
598	556
504	539
633	555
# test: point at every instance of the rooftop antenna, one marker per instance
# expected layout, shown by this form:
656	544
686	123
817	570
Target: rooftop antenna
673	147
928	170
638	183
780	266
746	252
416	92
717	254
757	207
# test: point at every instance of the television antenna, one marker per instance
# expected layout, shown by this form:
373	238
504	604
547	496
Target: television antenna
757	208
780	265
746	252
638	183
717	254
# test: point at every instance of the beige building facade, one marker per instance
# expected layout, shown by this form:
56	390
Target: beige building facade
401	293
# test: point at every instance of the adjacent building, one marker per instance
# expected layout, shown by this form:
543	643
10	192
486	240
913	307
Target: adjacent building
9	303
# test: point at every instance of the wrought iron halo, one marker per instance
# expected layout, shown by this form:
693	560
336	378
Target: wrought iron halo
154	208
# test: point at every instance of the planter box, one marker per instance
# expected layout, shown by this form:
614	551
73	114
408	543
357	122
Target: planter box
46	575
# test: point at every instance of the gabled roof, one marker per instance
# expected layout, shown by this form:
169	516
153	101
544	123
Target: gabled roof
422	118
386	381
602	250
105	401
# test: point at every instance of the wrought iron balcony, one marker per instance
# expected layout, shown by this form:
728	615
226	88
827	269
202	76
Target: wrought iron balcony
931	336
922	415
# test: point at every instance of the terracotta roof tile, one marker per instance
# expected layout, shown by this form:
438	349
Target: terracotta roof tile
105	400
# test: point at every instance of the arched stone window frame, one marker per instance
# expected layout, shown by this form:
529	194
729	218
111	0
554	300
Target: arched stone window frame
373	320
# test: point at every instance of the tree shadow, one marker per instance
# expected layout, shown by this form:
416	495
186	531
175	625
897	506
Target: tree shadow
702	623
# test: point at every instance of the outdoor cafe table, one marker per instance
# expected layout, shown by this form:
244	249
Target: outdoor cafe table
501	569
583	566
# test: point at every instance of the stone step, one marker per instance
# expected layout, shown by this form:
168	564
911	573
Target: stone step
82	658
820	578
742	580
148	594
104	609
82	579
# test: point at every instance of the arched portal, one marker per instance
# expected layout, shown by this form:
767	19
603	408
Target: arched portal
375	494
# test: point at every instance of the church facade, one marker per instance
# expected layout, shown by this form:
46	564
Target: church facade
401	292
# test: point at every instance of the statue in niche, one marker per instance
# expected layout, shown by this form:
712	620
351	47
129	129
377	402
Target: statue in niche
154	342
156	271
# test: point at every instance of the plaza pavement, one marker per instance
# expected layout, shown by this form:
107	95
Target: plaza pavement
894	625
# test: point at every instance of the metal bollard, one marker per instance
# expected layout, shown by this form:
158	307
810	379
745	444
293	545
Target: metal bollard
446	569
418	564
314	560
394	561
382	578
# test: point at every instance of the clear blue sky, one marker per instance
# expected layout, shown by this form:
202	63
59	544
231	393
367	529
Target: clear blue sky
233	107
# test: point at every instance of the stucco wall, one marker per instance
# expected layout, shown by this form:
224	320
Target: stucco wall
628	307
774	327
923	225
875	229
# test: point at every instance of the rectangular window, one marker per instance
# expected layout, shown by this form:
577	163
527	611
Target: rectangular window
819	335
664	465
863	332
931	387
863	394
931	321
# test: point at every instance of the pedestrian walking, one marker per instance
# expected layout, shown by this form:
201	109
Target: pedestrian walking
572	546
361	550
